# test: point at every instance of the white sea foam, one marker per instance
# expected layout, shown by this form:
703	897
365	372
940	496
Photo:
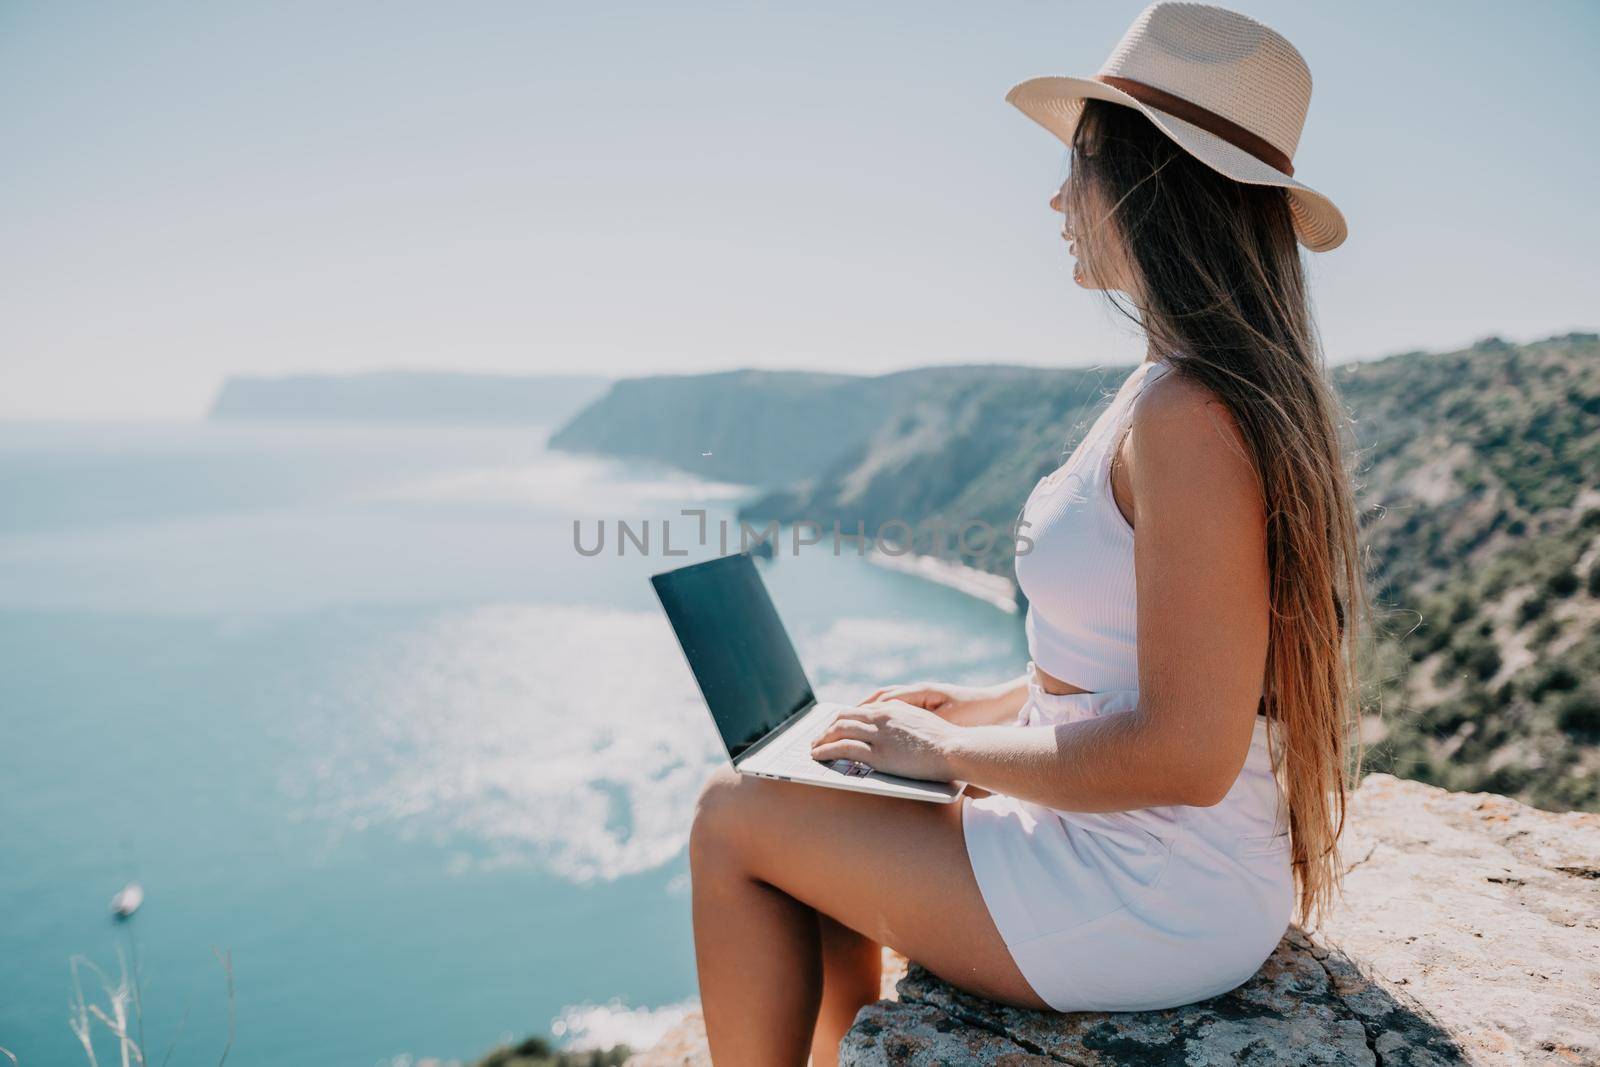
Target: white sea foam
992	589
591	1026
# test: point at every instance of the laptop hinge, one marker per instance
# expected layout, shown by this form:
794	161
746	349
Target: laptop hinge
804	710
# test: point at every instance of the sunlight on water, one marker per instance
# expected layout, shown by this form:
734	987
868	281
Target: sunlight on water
853	656
574	484
567	736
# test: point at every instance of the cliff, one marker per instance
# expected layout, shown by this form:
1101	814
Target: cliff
951	449
1469	932
407	397
956	441
774	428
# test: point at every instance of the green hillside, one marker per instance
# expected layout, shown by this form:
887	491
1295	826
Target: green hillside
1479	480
951	446
1482	500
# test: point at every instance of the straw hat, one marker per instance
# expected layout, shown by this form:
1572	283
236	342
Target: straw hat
1231	92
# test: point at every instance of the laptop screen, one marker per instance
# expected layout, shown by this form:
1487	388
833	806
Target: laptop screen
736	646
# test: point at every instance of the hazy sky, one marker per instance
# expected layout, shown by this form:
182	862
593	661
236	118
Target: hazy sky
190	190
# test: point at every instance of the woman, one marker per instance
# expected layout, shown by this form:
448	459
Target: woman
1165	788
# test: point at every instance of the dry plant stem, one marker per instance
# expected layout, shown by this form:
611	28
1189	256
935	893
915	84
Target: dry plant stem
225	957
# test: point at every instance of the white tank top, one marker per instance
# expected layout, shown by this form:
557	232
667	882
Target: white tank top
1078	575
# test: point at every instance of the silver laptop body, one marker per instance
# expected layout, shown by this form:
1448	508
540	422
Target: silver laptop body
754	686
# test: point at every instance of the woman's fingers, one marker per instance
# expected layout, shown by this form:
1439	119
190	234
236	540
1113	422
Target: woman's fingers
914	693
848	748
843	727
874	713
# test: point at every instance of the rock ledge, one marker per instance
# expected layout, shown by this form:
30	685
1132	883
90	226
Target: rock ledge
1469	932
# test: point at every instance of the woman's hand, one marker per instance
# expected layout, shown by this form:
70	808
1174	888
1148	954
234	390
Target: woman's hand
964	705
890	736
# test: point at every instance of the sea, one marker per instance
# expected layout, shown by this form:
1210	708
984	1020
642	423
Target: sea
402	773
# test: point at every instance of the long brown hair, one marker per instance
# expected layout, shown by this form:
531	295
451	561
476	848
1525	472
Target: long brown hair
1219	290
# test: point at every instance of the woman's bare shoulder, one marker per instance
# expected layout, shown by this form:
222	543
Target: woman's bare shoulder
1184	437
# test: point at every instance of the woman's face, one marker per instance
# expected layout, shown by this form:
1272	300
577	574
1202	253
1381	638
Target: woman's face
1099	259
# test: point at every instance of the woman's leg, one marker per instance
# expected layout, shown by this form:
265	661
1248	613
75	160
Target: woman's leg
769	857
852	977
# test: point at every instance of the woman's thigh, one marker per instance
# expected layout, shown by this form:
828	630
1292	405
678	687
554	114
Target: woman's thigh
893	870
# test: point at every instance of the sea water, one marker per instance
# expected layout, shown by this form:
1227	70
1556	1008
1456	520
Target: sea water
388	754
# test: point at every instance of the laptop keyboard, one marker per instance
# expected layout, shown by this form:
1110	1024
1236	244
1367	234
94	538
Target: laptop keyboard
794	758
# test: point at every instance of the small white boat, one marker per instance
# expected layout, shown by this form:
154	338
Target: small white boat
127	900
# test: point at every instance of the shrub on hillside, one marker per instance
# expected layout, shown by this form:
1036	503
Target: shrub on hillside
1563	583
536	1052
1579	714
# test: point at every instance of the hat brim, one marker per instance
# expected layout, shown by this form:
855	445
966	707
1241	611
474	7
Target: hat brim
1056	103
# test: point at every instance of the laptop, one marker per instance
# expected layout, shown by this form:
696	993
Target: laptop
754	686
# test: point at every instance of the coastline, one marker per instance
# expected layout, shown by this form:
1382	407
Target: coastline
994	589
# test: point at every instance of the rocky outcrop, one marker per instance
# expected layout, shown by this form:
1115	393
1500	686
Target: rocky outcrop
1469	932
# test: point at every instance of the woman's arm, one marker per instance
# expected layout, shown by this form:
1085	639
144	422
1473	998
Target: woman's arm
1200	561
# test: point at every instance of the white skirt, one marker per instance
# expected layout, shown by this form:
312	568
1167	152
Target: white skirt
1136	910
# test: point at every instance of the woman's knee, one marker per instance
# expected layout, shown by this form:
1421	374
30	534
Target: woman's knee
719	815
